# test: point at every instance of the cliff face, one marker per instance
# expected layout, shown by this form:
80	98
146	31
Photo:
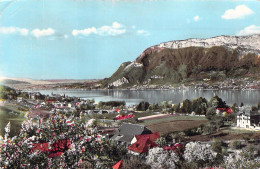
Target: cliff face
242	43
176	61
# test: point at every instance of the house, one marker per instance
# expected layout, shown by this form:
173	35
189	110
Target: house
142	145
127	131
118	165
19	99
222	110
246	118
152	137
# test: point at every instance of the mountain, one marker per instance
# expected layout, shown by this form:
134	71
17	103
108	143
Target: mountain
190	60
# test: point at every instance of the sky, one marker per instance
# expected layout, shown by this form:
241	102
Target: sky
89	39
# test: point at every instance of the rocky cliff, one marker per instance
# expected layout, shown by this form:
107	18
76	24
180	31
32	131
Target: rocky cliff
190	60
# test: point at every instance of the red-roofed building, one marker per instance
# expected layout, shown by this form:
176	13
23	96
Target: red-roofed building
57	148
152	137
43	147
142	145
122	117
118	165
222	110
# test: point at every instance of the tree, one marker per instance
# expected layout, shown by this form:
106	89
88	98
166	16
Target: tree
72	142
242	104
142	106
186	106
199	105
211	113
177	108
238	160
200	154
160	158
217	102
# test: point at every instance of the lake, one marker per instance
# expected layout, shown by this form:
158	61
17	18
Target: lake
131	97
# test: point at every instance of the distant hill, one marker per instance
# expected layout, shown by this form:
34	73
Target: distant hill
174	62
12	82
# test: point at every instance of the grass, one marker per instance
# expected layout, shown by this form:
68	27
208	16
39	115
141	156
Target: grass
237	130
174	123
167	127
174	118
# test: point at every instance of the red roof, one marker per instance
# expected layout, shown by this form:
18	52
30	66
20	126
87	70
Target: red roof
142	145
43	147
121	117
118	165
177	147
57	149
228	110
50	101
152	137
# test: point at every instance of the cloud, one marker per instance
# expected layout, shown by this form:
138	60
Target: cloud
143	32
42	32
250	30
239	12
115	29
14	30
196	18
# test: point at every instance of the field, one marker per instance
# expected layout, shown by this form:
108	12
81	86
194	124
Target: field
228	134
174	123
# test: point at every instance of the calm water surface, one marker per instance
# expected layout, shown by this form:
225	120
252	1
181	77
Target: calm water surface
248	97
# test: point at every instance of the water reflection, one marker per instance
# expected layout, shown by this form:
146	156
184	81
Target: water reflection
248	97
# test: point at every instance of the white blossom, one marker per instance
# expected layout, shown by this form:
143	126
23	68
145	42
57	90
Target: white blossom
159	158
7	130
237	160
195	151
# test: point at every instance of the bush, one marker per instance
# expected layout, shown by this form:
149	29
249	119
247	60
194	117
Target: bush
217	146
236	144
142	106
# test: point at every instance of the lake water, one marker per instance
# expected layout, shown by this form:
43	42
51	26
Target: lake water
131	97
15	119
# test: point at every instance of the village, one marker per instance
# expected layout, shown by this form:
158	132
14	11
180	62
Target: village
196	133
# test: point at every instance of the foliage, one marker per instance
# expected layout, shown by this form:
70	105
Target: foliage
217	102
134	162
111	104
85	145
238	160
201	154
199	105
211	113
7	93
142	106
186	106
236	144
161	141
160	158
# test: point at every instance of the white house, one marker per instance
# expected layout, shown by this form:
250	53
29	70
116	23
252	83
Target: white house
248	119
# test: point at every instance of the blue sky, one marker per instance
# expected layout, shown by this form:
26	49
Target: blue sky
89	39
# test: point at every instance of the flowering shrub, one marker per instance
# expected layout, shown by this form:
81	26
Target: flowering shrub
238	160
160	158
57	142
199	153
